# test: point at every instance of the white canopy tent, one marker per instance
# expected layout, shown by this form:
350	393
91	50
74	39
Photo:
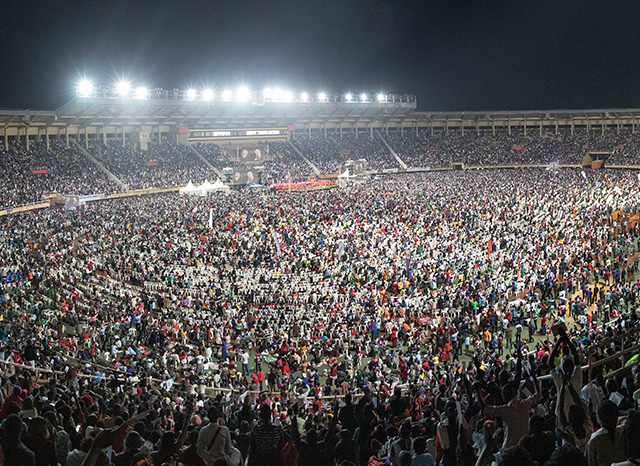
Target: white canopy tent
218	186
190	189
345	178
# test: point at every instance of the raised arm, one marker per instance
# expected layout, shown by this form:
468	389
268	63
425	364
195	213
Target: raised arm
185	428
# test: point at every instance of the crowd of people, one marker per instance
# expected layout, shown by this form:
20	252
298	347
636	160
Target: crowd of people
434	318
484	148
31	174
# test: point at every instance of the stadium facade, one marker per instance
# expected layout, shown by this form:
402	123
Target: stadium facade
173	115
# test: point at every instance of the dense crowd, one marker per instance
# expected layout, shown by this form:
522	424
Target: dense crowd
508	148
159	166
439	318
28	175
332	153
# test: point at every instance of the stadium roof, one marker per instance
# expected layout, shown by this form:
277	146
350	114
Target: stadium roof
21	118
219	114
100	112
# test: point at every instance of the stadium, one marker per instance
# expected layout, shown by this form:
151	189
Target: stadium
257	275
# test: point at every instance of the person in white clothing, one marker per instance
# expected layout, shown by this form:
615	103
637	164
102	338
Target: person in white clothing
214	441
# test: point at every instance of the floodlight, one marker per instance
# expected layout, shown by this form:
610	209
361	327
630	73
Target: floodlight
191	94
142	92
322	96
267	93
382	97
349	97
207	94
276	93
227	94
363	97
84	88
287	96
243	94
304	96
122	88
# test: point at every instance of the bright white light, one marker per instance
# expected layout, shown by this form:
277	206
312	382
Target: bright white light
142	92
287	96
276	94
267	93
227	94
207	94
191	94
322	96
349	97
304	96
363	97
243	94
122	88
84	88
381	97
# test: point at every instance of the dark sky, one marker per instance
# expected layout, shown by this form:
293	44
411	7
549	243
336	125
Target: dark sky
454	55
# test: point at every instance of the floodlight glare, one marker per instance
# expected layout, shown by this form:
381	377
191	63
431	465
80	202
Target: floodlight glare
142	92
191	94
363	97
243	94
304	96
122	88
349	97
276	93
322	96
381	97
267	93
287	96
84	88
207	94
227	94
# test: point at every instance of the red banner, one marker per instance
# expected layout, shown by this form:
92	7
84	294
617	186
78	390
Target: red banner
183	129
518	148
585	147
345	153
291	127
433	150
40	172
620	147
152	164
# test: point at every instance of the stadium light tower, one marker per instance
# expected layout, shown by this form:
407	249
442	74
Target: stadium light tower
227	94
267	93
207	94
243	93
363	97
84	88
382	98
122	88
349	97
287	96
276	94
322	96
191	94
142	92
304	96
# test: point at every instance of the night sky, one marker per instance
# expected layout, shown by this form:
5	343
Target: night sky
454	55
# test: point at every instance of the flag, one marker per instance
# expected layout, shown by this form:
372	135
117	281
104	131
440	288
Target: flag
211	218
584	175
490	245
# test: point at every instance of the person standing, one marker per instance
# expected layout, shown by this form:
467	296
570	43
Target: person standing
267	441
214	441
